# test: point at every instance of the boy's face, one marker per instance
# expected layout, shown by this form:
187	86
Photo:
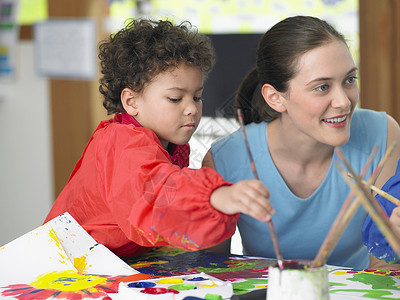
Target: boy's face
171	104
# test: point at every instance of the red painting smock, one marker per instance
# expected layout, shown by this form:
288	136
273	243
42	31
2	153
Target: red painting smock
128	192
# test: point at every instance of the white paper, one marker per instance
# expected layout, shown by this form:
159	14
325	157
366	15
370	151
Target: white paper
66	48
59	245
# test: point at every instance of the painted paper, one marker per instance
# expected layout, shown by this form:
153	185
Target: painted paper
59	260
365	284
84	252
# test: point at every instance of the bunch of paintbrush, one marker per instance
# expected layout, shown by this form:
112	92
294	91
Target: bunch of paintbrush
347	211
271	227
377	190
372	206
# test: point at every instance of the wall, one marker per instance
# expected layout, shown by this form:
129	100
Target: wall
26	179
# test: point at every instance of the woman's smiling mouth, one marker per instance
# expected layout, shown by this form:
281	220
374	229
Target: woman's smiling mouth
337	122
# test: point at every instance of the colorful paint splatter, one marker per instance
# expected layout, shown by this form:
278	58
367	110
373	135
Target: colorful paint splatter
247	274
63	284
379	284
172	262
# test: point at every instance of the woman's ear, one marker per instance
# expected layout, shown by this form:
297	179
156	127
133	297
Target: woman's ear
273	98
129	101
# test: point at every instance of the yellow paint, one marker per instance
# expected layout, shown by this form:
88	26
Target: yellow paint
340	273
375	272
260	286
209	285
170	281
68	281
80	263
54	238
185	240
147	264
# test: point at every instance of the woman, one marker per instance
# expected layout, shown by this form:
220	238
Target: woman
299	104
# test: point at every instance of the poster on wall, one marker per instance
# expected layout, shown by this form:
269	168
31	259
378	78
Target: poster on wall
9	32
66	48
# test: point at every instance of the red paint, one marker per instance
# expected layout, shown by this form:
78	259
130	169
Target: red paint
394	273
158	291
135	277
294	264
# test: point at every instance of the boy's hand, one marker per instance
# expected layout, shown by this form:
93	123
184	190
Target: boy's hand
246	196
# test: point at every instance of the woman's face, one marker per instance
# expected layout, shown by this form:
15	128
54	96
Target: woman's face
323	94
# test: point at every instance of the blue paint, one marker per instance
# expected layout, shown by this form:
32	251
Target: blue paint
91	248
141	284
197	279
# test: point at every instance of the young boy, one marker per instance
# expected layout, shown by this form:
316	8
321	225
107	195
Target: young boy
132	189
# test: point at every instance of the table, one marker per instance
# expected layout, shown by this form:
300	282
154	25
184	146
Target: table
249	274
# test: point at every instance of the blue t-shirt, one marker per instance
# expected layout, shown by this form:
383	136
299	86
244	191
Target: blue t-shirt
302	224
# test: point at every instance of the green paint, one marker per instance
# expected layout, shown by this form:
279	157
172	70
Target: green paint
182	287
337	284
378	284
376	281
236	266
213	297
249	284
213	264
368	293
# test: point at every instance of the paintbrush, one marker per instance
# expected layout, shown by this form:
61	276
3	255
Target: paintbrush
271	227
385	195
347	211
343	218
371	204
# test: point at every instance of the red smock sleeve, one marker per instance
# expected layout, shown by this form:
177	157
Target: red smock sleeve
153	201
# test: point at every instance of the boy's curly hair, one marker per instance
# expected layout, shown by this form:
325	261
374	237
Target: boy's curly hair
144	48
